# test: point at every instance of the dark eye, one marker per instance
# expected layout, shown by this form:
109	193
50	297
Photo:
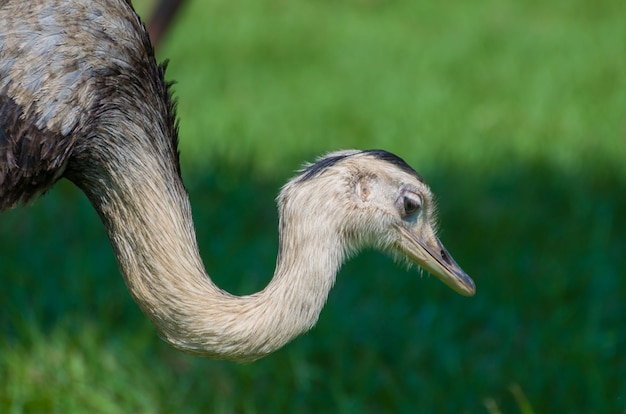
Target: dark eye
411	204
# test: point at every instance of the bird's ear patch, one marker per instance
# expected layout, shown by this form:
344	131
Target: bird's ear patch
363	188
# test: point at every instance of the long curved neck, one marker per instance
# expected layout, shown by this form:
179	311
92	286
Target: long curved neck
146	211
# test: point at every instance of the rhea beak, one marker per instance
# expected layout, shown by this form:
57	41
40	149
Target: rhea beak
433	257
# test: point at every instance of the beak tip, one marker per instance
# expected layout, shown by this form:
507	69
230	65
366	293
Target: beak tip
462	284
465	290
469	288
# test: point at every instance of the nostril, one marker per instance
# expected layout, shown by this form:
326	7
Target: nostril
444	256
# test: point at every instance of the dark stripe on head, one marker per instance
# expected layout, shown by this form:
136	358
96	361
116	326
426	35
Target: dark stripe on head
323	164
395	160
316	169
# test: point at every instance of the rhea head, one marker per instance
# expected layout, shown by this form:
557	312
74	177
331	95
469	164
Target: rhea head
372	198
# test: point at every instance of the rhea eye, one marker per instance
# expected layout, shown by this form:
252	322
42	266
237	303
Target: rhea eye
411	204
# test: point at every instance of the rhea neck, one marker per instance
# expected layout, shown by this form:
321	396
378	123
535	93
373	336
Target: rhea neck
146	211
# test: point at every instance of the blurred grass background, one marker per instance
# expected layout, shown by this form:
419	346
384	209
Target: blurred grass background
515	113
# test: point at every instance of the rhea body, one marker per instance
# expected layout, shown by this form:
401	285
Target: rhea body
82	98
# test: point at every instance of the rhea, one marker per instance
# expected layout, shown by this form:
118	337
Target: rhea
82	98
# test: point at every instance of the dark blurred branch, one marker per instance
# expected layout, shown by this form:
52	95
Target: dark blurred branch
161	19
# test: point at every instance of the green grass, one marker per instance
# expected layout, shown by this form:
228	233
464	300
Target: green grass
515	113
